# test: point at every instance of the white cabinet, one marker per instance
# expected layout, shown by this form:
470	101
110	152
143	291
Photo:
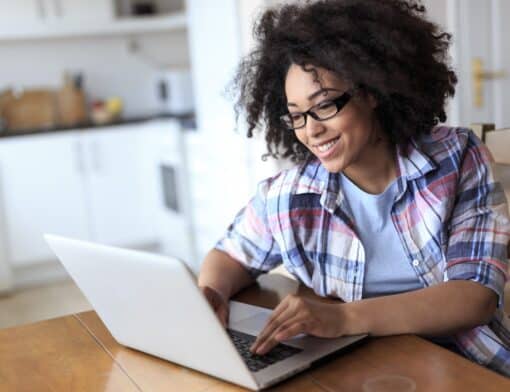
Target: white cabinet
79	10
97	185
48	19
117	183
43	191
20	11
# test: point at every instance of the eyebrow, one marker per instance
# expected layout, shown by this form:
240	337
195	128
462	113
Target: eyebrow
315	94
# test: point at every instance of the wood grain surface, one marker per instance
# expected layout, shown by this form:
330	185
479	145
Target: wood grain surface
57	355
77	353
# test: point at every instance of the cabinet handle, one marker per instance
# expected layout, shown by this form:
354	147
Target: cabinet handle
96	156
78	158
58	8
41	9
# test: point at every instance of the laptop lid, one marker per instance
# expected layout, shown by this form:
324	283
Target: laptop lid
151	303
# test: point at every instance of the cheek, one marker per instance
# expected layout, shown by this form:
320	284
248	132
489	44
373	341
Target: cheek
355	129
355	142
301	136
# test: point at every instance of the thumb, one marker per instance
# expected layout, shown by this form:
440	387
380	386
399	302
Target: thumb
223	316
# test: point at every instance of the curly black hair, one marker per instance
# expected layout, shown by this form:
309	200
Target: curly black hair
387	48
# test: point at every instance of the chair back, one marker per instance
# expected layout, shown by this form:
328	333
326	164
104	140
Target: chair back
498	142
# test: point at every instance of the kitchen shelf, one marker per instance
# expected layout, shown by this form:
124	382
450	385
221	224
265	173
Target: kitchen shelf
75	29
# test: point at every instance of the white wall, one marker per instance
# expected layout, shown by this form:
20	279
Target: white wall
109	68
437	11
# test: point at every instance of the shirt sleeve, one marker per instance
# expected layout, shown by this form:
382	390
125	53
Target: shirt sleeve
249	240
479	229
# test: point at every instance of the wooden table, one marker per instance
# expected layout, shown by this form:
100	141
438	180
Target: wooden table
77	353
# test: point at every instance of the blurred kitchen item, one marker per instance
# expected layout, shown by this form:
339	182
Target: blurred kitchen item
114	105
72	106
29	109
98	113
130	8
175	92
5	96
143	8
105	112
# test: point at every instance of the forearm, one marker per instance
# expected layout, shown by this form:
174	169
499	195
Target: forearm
222	273
434	311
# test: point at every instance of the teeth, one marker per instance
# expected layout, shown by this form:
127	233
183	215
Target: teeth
327	146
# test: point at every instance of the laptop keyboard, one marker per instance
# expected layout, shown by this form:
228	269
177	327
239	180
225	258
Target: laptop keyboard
255	362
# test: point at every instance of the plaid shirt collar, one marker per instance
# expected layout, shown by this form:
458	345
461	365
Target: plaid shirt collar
412	164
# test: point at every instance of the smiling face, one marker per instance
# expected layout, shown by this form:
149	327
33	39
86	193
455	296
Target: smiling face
348	141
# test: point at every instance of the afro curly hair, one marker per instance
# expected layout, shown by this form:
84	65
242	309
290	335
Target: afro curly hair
387	48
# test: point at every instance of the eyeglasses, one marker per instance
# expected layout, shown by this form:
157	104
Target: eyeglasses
320	112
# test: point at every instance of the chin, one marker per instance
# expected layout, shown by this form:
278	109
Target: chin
333	166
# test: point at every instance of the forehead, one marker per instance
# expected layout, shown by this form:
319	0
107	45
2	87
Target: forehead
301	83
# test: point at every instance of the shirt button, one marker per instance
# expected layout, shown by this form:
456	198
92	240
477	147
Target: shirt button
416	262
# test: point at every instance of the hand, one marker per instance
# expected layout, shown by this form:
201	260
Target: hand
218	303
296	315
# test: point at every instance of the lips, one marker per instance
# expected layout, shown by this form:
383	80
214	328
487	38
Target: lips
326	149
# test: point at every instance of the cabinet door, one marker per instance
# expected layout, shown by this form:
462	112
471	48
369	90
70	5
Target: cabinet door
42	187
79	10
118	188
20	12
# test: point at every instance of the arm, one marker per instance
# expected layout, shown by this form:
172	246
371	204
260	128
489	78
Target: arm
433	311
223	274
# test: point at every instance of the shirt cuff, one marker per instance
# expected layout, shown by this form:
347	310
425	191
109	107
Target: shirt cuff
253	272
482	272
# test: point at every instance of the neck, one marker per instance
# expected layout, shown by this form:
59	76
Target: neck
376	169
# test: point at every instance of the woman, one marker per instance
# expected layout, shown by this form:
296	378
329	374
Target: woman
398	217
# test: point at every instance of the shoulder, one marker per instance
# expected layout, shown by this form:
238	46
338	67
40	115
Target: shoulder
307	177
446	144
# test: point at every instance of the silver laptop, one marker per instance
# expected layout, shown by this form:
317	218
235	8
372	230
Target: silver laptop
151	303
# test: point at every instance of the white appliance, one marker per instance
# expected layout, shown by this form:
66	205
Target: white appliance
172	215
175	91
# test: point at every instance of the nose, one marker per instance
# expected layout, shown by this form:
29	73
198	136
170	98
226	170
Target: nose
314	127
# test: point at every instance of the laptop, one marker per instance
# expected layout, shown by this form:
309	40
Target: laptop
152	303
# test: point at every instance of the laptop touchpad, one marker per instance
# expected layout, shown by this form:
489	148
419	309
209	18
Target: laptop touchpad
251	325
248	318
252	320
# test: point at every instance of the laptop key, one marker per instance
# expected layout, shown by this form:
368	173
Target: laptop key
243	342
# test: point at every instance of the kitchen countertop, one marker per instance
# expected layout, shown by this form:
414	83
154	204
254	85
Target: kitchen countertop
186	120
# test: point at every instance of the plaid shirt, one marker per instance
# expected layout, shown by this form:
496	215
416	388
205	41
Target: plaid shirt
450	215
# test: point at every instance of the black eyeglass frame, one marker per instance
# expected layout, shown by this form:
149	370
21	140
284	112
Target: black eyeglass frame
339	102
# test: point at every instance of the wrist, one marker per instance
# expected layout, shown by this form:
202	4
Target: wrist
355	322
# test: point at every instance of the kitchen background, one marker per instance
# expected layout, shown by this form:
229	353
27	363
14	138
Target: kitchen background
115	127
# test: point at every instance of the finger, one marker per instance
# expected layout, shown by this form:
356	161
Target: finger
290	328
276	318
271	327
283	312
